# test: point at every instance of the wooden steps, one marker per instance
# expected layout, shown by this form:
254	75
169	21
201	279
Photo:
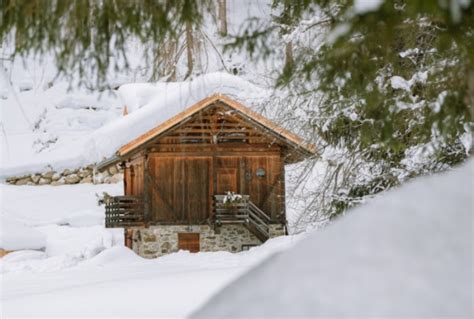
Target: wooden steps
242	212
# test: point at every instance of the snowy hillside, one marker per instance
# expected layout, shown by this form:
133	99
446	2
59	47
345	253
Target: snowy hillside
90	141
408	253
50	122
43	120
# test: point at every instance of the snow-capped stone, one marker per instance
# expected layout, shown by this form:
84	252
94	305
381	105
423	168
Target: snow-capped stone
23	181
58	182
44	181
113	170
87	179
35	178
48	174
72	179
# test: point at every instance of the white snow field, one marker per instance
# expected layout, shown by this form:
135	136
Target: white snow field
406	254
84	271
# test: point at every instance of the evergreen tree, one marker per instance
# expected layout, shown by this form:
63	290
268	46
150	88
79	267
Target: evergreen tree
91	36
391	91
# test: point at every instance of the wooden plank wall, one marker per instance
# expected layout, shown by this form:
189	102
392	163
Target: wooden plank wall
181	191
182	186
134	177
214	152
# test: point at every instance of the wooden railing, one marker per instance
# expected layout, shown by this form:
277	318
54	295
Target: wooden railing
124	211
243	212
129	211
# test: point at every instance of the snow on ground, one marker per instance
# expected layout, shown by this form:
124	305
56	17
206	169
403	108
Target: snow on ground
15	236
42	123
408	253
63	221
74	205
85	264
118	283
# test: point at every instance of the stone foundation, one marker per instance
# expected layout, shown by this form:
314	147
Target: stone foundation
113	174
160	240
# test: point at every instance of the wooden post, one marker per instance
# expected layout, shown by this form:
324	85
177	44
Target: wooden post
222	16
282	191
128	237
146	190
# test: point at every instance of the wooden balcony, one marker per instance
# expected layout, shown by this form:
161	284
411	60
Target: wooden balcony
129	211
124	211
243	212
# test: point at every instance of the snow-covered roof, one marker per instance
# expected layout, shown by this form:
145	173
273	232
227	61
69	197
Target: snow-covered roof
152	104
282	134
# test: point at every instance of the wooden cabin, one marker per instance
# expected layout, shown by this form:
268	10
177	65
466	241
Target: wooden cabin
210	178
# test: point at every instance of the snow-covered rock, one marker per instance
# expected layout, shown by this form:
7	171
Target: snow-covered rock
117	255
408	253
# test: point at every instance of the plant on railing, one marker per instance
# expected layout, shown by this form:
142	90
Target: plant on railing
104	199
232	198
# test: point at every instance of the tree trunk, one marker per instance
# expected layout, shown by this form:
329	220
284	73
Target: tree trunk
170	64
470	92
189	48
469	99
289	61
222	16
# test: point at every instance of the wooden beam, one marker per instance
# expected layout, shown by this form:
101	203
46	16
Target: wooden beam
146	190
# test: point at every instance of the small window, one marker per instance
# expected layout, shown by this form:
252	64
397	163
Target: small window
260	172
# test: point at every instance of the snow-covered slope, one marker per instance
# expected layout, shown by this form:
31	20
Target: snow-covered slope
47	121
85	264
42	119
16	236
148	104
408	253
64	221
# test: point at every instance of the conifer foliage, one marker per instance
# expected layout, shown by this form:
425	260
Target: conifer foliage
385	89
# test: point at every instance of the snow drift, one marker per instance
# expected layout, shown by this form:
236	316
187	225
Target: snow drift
407	253
16	236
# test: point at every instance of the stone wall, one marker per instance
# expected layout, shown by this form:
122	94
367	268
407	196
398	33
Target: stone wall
276	230
113	174
160	240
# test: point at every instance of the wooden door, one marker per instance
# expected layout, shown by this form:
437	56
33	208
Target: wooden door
180	189
189	241
226	180
197	189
